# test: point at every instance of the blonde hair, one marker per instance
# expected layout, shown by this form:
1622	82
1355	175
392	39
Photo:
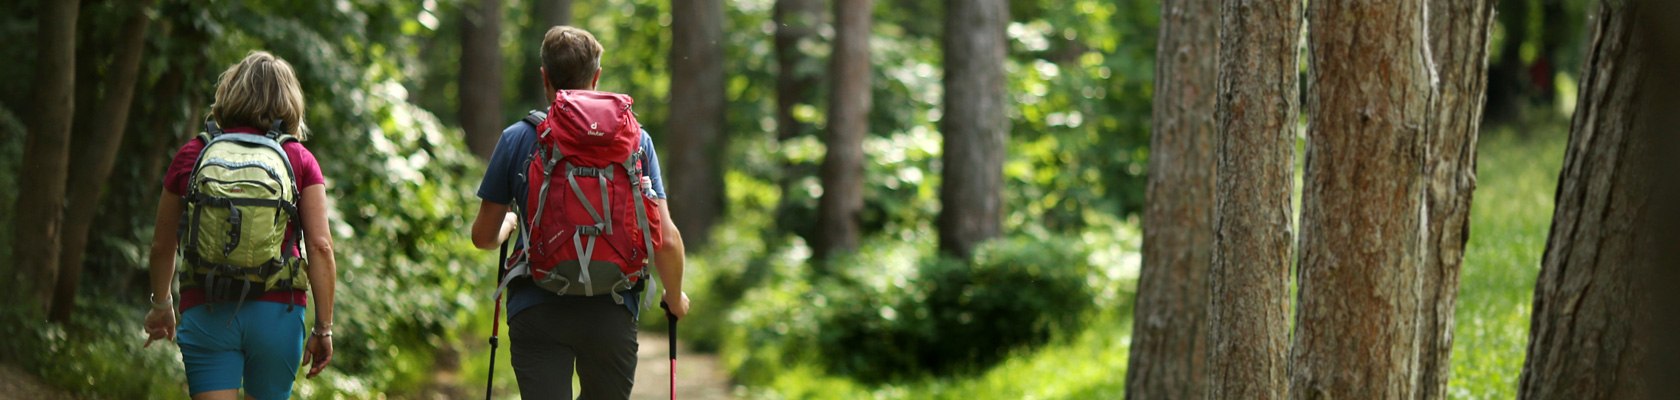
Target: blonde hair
258	90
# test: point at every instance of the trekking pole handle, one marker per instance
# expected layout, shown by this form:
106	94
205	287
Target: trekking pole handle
670	327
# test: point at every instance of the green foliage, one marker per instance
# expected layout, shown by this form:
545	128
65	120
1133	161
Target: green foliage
901	323
1018	292
1081	77
98	352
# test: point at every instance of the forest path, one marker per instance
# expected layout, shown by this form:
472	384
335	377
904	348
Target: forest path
699	376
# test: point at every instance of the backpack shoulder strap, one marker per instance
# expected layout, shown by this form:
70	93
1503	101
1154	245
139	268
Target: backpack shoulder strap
277	130
535	118
211	130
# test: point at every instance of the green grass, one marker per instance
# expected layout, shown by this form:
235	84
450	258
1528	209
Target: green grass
1509	219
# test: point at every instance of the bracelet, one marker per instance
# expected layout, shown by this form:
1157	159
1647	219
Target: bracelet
321	334
166	304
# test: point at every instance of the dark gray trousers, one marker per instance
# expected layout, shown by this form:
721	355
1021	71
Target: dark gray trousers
599	336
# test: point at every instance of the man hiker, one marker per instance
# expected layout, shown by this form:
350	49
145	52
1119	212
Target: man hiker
583	311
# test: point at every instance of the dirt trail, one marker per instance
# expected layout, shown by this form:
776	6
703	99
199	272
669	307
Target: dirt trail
699	376
15	383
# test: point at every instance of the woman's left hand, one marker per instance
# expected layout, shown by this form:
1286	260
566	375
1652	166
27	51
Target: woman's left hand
317	352
160	325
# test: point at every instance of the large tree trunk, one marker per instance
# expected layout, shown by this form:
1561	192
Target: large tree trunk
797	77
1363	231
1582	343
480	83
1662	358
695	130
1259	70
848	123
549	14
96	146
1168	356
975	124
40	205
1458	44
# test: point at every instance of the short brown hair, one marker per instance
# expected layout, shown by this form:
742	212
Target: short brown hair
258	90
570	57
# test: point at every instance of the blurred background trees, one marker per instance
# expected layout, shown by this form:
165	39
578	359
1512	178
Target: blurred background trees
1042	250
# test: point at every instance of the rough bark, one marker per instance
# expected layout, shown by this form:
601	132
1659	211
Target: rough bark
1458	44
548	14
1362	224
975	124
1581	340
797	76
848	122
96	145
695	129
40	202
480	83
1169	330
1259	66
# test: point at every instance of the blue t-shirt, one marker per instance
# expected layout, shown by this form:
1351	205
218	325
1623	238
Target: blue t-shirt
504	183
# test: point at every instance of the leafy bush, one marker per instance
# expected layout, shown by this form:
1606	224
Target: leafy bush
1017	292
901	313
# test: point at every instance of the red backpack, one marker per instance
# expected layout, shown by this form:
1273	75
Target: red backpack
591	226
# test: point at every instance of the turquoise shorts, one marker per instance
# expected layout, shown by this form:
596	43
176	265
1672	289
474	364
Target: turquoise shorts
261	344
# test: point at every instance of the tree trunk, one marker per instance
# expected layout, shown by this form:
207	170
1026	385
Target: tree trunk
695	129
975	124
40	208
1581	341
848	123
1169	330
1662	359
1458	43
549	14
1363	232
1259	69
96	147
797	77
480	84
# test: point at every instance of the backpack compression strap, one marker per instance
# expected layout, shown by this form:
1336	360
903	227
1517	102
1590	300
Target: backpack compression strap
642	219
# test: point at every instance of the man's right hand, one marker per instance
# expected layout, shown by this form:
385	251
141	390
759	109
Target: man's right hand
677	304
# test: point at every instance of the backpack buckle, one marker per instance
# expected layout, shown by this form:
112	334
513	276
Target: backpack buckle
591	230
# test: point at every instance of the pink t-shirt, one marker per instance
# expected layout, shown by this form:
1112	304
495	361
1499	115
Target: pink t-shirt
307	171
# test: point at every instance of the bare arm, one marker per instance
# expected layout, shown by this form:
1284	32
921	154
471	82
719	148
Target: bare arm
162	259
323	275
492	225
670	261
323	268
160	320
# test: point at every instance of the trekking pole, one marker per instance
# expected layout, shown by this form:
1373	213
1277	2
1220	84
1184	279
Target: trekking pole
671	326
496	321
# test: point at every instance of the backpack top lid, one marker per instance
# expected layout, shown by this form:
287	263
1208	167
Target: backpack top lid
596	128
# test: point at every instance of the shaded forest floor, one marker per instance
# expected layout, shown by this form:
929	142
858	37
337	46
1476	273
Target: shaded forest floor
16	383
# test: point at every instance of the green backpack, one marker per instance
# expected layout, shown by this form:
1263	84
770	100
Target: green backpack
240	198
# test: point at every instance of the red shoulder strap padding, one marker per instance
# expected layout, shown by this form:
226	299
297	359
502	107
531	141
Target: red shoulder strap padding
597	128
